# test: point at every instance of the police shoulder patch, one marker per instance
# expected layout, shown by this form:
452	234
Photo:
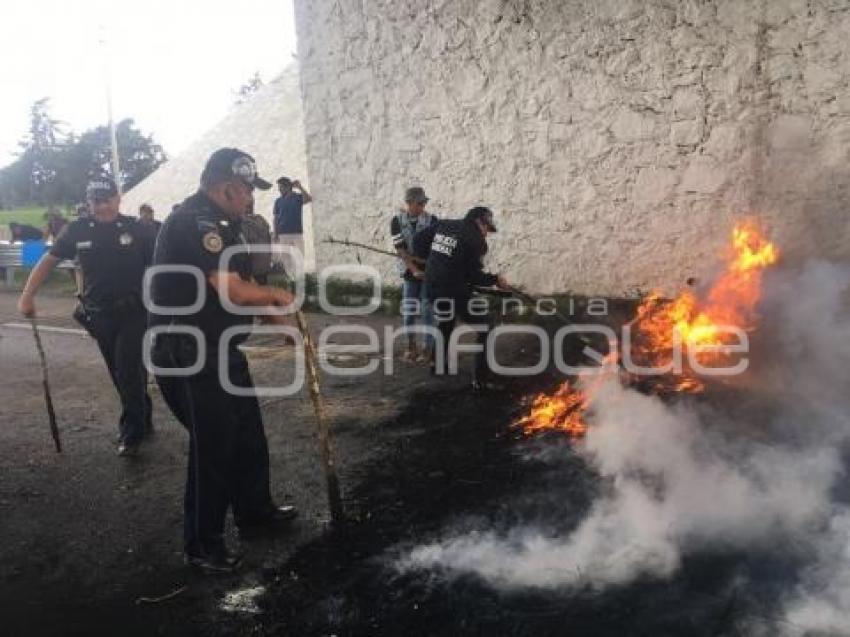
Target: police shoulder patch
212	242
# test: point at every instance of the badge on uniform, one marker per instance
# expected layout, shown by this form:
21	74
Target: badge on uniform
212	242
125	239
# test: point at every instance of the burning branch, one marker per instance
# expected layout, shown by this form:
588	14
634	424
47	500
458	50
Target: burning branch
661	327
561	411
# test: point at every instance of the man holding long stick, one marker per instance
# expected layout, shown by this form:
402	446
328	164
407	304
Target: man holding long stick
453	269
404	226
113	251
228	455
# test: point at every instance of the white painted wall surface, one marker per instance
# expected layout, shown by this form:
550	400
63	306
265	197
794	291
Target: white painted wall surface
269	126
616	140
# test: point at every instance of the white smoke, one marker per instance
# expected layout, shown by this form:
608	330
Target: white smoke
676	484
813	309
685	478
822	602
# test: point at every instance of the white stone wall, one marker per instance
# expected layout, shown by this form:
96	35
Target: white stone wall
269	126
616	140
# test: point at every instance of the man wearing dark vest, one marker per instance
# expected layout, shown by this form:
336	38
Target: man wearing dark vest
404	227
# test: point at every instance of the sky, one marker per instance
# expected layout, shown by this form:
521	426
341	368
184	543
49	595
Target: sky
174	64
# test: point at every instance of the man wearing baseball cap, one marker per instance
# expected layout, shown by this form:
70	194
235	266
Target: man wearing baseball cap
404	227
228	452
288	217
113	251
455	249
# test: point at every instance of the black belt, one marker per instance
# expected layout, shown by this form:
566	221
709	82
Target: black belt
125	305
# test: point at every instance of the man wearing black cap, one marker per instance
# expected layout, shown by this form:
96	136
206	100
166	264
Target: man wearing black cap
455	249
113	251
228	453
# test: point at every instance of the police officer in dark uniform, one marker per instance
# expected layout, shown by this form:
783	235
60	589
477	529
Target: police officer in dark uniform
113	251
228	457
455	249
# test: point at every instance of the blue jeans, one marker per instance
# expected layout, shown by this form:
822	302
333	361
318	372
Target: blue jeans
410	310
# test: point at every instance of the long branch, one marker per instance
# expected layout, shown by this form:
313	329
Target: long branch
356	244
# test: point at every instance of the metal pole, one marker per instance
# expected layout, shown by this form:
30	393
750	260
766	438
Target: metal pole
113	138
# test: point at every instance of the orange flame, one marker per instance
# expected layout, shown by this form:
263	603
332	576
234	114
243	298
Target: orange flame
561	411
565	410
730	302
660	325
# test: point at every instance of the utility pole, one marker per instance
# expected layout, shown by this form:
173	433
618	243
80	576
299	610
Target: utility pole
113	138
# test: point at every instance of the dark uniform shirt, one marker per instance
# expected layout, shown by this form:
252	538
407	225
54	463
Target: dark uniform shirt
196	234
153	225
112	254
455	249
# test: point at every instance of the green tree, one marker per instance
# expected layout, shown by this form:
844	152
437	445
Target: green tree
15	187
40	151
54	167
138	154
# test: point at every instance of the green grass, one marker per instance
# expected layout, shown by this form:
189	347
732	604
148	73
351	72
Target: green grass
33	216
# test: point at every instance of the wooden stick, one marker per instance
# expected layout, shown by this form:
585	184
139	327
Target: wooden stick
515	291
322	431
533	300
163	598
51	414
355	244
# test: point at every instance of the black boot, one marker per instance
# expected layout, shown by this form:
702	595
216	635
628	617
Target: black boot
219	562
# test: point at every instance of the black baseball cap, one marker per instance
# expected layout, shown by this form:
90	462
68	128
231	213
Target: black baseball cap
484	214
227	163
101	188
